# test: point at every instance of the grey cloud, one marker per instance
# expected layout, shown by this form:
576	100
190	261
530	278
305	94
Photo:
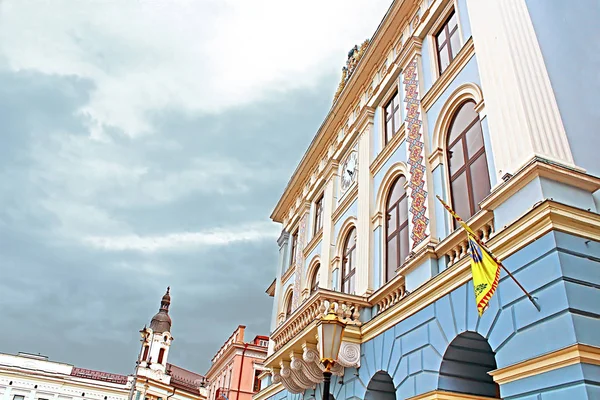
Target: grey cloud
84	305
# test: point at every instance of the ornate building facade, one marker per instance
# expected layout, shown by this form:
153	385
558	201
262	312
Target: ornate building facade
235	370
34	377
472	101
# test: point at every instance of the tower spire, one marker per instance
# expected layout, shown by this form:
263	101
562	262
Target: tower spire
161	322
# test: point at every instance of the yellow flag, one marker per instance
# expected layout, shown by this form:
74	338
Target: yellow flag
486	274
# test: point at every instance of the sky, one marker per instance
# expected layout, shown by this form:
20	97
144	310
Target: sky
144	144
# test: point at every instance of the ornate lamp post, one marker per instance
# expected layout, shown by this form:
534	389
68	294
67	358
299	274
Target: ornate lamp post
331	332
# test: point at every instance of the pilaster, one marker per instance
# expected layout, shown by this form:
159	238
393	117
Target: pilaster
523	113
299	261
283	246
327	245
420	178
364	274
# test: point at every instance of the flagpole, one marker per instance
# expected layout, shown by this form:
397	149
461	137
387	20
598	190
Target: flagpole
480	243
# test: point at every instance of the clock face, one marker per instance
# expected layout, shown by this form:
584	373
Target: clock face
349	170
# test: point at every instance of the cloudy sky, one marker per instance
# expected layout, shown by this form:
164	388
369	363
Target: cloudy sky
144	144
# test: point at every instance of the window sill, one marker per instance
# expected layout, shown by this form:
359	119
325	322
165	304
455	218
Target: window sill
388	150
449	75
313	242
288	273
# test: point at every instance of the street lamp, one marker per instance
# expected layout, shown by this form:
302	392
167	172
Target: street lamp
331	332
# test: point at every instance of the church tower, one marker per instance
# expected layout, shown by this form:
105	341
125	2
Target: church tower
156	340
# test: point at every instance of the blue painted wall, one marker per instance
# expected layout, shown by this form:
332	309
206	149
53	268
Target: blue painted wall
397	156
350	212
560	270
568	34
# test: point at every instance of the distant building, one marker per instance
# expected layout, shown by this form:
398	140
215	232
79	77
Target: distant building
33	377
155	378
237	367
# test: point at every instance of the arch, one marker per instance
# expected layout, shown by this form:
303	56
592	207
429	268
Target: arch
466	364
396	227
348	272
287	294
347	225
381	387
313	268
466	91
397	169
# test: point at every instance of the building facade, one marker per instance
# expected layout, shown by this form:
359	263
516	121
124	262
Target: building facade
157	379
235	370
475	102
34	377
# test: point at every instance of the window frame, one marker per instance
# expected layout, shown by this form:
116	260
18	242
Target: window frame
467	163
396	234
289	299
387	116
293	248
443	27
348	257
318	220
314	279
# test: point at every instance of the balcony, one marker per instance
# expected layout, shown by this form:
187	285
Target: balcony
323	301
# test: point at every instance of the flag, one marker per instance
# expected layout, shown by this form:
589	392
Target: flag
456	217
486	274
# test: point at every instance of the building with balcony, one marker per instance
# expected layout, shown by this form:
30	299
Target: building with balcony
34	377
235	369
489	105
155	378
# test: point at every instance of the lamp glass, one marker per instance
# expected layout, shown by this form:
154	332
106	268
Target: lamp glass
331	332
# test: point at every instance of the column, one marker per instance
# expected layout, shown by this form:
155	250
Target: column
523	114
327	247
364	239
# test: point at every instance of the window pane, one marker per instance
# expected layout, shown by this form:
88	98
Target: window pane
389	131
474	139
456	157
460	196
403	208
392	224
455	43
404	246
480	179
396	120
444	59
452	22
392	258
463	118
388	111
441	38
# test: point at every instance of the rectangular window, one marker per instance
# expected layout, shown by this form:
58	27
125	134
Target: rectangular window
161	355
294	248
392	117
447	42
18	397
256	381
318	215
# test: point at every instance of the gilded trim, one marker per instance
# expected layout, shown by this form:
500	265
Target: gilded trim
575	354
441	395
539	168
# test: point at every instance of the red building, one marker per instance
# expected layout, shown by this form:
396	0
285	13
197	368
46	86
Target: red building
235	368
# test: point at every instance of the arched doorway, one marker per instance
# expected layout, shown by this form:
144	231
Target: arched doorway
466	364
381	387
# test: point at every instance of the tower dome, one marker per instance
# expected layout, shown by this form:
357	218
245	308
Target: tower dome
161	322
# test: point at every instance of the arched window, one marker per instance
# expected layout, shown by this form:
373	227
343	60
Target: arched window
349	262
467	165
314	280
396	227
288	304
161	355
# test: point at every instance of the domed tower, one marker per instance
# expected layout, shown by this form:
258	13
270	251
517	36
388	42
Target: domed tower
156	340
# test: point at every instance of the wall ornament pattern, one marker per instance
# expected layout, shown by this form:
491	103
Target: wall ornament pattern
299	262
416	154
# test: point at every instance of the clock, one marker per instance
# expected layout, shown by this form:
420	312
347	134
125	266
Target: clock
349	170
